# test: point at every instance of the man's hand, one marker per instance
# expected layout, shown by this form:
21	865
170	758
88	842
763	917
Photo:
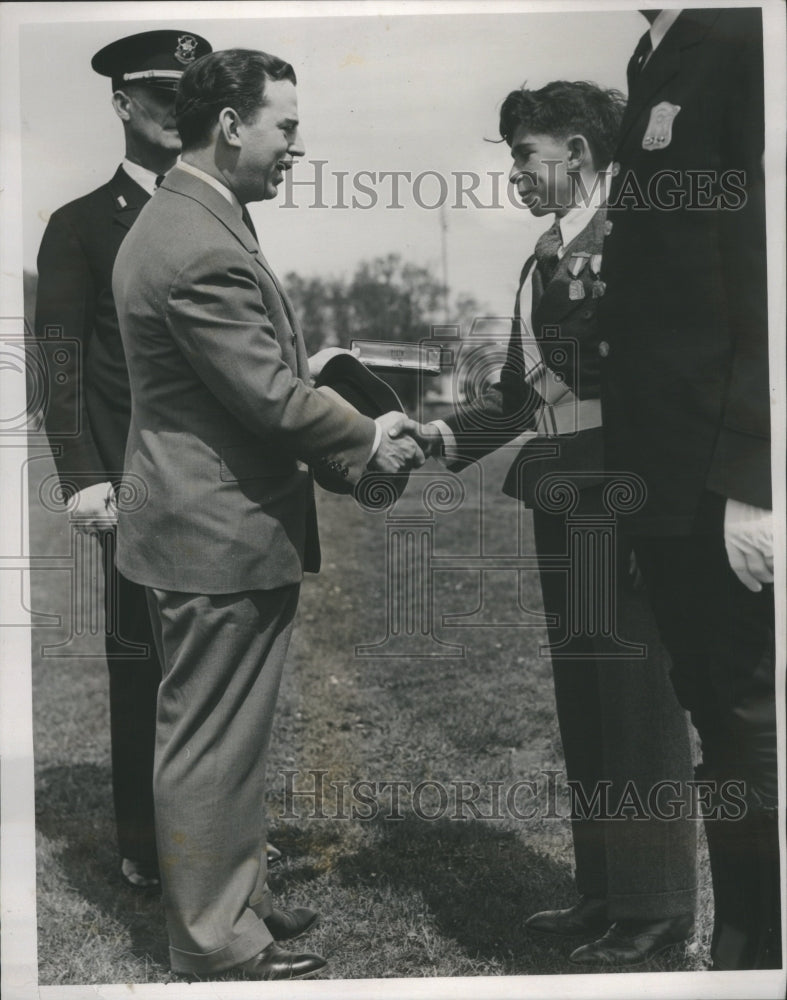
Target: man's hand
398	450
748	538
429	439
95	508
319	360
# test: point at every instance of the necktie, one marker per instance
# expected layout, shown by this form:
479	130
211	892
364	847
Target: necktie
248	223
159	180
639	58
546	252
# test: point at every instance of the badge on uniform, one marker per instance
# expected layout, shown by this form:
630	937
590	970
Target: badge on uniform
599	286
658	134
576	265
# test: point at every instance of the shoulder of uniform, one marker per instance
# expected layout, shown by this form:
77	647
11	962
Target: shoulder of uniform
85	205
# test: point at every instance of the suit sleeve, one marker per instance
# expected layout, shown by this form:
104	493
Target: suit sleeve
500	414
65	309
741	462
217	316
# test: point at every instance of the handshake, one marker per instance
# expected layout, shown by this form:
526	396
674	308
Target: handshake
404	443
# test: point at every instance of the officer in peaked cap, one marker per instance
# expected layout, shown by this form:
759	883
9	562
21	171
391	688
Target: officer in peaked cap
154	58
75	298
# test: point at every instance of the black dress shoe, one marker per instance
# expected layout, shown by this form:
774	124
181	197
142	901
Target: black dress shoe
273	854
274	962
588	916
286	925
632	942
139	876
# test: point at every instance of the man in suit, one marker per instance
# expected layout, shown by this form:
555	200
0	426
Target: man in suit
686	408
620	724
75	297
225	427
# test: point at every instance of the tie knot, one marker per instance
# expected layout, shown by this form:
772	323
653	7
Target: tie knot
547	250
641	53
159	180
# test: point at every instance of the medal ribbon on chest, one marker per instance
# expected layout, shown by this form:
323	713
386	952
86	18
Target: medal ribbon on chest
576	265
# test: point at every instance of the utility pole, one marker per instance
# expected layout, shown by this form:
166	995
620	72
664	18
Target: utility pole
444	255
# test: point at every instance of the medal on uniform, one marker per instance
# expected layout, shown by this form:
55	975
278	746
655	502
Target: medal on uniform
599	286
576	290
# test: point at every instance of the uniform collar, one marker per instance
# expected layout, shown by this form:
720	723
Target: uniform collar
576	219
141	175
664	21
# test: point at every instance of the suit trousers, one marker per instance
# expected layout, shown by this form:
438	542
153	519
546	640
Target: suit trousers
134	677
721	637
223	657
623	734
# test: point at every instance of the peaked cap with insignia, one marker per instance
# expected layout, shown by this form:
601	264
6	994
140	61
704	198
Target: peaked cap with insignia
156	58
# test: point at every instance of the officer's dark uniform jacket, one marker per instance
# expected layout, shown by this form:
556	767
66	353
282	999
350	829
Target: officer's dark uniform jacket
566	330
685	385
74	301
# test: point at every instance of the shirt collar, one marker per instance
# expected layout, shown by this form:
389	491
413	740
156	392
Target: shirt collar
141	175
575	219
223	190
664	21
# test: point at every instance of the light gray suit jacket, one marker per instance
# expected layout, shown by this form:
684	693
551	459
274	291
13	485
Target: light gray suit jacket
224	424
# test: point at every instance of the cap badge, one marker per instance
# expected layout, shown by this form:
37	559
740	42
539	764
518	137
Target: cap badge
186	49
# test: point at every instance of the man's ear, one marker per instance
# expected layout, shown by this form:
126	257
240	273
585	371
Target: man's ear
121	102
579	154
229	126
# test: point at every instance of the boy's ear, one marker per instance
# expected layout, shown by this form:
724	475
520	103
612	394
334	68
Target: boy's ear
579	154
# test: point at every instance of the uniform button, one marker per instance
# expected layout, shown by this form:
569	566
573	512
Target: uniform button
587	314
603	348
615	169
607	227
295	338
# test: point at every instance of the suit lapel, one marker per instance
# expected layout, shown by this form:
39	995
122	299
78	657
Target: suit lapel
665	63
128	197
193	187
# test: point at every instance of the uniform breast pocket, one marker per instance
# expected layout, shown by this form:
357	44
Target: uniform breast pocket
241	462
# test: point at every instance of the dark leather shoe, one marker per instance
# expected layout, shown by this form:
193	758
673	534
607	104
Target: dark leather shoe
274	962
273	854
286	925
588	916
632	942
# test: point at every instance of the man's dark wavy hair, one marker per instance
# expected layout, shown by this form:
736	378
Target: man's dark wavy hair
565	108
232	78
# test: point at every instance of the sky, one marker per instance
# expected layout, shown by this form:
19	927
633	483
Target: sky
418	93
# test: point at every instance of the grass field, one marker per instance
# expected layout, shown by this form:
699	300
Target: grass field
398	897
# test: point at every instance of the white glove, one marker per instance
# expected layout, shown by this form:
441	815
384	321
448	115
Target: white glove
95	508
748	538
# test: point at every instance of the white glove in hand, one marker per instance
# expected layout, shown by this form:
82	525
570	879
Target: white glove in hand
94	508
748	538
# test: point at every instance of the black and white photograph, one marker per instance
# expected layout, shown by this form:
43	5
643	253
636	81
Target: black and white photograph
392	443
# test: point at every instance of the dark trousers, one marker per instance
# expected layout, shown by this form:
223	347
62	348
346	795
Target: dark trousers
222	656
134	678
622	732
721	637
